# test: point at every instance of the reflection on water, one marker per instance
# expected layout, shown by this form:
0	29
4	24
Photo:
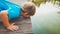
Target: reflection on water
46	19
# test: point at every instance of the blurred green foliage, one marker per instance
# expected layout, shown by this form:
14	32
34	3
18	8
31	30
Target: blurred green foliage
38	2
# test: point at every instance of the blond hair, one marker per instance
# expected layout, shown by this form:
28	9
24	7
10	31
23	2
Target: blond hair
29	7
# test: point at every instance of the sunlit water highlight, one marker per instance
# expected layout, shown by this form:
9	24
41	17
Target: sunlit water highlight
46	19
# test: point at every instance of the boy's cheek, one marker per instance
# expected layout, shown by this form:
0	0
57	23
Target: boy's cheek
26	16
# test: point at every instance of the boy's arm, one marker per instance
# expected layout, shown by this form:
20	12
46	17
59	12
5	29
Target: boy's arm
4	16
5	21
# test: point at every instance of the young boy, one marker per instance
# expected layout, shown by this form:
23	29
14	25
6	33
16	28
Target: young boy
27	11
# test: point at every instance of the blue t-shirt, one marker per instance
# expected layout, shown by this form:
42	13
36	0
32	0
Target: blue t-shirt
13	9
3	5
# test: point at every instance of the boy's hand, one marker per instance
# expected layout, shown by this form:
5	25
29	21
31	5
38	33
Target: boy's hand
13	27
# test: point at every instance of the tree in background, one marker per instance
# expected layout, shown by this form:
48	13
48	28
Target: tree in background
38	2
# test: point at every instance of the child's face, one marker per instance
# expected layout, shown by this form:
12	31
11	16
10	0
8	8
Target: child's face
26	15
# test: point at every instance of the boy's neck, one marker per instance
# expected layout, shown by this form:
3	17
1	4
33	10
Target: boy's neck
21	14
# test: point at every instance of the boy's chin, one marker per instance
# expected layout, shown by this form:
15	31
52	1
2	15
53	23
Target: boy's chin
27	17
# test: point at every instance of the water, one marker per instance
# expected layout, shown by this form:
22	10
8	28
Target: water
46	19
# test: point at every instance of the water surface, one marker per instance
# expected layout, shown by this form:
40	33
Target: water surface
46	19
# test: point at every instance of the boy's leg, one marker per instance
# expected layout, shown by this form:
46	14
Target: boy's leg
4	16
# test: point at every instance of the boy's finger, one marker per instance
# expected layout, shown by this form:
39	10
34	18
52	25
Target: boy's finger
15	27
